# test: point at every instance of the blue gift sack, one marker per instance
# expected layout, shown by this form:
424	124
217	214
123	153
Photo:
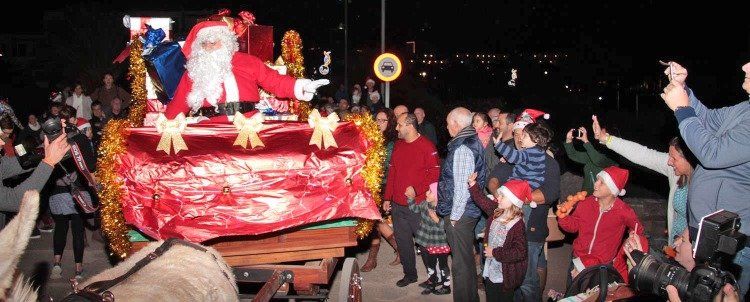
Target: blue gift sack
165	65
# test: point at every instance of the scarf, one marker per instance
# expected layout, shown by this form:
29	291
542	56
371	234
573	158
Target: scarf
35	127
485	134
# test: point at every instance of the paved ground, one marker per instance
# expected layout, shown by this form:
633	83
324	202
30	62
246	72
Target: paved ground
379	284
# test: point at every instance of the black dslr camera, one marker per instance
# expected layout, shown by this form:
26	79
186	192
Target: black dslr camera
29	155
718	241
52	129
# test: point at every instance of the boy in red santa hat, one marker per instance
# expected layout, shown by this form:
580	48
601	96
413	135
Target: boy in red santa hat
219	80
600	221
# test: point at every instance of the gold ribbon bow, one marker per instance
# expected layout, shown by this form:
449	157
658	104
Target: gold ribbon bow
324	126
171	133
248	128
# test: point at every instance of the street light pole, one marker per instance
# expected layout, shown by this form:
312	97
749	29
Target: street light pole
346	45
387	91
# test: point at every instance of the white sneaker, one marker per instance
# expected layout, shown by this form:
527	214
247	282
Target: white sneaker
56	272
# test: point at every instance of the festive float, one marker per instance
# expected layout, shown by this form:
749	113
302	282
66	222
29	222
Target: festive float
283	186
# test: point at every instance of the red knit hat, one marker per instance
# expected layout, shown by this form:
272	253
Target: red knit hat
186	49
82	123
529	116
518	191
615	178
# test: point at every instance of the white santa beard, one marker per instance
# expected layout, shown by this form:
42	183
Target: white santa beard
207	70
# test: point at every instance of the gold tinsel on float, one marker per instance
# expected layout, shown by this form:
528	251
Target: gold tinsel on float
372	172
291	54
113	144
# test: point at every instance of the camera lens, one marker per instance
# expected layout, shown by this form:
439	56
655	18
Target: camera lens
652	276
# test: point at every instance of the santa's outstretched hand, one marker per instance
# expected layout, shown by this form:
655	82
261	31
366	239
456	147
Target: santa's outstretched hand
304	89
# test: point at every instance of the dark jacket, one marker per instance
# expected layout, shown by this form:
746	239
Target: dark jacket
428	130
467	137
513	255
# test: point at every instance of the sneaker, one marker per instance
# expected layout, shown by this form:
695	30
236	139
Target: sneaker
441	290
46	228
405	281
428	291
56	271
426	284
35	234
79	275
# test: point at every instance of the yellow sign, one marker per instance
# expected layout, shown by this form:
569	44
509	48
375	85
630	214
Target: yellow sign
387	67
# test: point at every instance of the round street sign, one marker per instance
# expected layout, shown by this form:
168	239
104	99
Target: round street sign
387	67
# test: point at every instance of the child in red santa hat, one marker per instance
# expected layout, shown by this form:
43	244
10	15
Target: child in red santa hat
601	221
505	237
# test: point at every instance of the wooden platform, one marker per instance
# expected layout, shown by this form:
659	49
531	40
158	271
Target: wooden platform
280	247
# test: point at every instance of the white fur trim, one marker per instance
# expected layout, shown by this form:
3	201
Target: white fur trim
299	89
607	179
578	264
231	91
546	116
508	194
520	125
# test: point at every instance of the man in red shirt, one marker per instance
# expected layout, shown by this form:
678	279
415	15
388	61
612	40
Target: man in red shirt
414	166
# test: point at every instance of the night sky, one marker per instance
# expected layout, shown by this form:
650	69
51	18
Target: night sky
711	38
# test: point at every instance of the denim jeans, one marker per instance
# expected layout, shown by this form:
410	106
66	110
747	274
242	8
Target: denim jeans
531	289
743	260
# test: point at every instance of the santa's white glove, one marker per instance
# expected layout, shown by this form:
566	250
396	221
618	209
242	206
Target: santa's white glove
304	89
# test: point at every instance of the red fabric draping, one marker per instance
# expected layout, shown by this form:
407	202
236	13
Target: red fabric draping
216	189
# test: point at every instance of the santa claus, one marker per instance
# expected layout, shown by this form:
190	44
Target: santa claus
220	81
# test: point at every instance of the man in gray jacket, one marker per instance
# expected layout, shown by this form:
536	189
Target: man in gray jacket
10	198
720	139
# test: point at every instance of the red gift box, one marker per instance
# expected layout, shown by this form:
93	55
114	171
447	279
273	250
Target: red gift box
258	41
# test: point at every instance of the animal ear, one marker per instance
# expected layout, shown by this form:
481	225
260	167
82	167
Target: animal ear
15	237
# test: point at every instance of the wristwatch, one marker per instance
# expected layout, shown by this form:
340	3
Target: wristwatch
680	107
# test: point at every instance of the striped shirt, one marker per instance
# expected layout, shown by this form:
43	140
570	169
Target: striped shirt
529	163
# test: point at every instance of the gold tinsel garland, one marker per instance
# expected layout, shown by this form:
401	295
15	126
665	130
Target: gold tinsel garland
291	54
372	172
113	144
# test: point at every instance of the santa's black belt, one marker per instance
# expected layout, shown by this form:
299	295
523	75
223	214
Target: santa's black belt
228	109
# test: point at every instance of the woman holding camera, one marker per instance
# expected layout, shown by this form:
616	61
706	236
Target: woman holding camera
69	181
592	160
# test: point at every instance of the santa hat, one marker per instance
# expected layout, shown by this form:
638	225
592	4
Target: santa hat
374	96
198	28
82	123
615	178
517	191
370	80
585	261
529	116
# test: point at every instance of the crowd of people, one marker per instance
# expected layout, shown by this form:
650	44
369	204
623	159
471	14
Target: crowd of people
81	118
499	179
485	204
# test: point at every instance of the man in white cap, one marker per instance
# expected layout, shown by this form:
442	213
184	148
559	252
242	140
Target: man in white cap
219	80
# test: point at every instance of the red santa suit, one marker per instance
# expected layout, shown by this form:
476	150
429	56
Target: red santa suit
248	73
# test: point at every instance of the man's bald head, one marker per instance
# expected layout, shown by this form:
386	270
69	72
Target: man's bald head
399	110
458	119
